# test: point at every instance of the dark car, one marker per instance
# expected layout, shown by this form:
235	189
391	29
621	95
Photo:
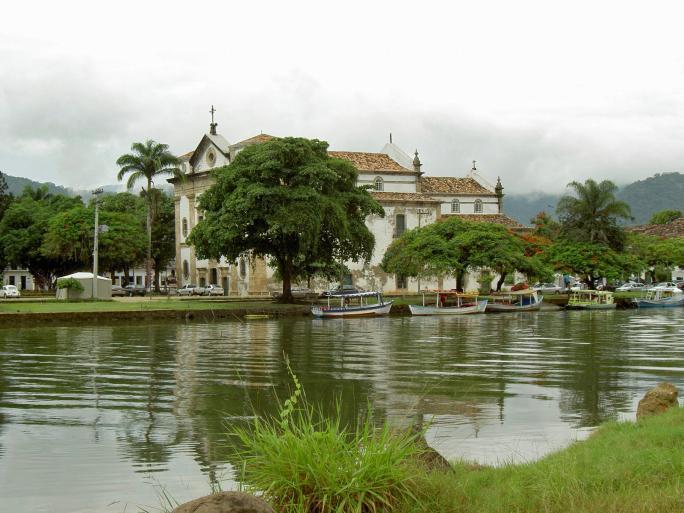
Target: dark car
680	285
118	290
340	291
135	290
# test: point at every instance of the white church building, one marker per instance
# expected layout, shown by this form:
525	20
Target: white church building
410	197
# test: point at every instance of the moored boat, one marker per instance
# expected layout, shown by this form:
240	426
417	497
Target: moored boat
591	300
659	298
450	303
353	305
526	300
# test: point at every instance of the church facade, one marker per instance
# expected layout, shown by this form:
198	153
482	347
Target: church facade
410	197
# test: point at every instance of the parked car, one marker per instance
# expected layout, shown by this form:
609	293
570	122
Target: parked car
666	285
135	290
345	289
213	290
547	288
187	289
118	290
8	291
578	286
199	290
631	286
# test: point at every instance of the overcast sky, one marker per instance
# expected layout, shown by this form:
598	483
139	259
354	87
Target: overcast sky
538	92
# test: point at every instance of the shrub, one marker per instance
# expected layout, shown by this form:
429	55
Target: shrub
70	283
305	462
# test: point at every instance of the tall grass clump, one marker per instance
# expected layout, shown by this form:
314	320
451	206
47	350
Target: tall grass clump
303	461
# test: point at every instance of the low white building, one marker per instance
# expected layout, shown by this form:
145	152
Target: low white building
409	197
21	278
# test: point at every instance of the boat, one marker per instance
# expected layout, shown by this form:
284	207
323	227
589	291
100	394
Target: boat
526	300
348	308
591	300
450	303
659	298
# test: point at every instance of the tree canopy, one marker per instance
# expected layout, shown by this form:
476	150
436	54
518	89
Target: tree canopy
452	247
592	215
288	200
665	216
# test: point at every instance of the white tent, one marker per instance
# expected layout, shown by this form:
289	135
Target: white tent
104	287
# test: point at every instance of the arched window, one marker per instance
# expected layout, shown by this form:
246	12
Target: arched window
455	206
399	225
478	206
213	276
186	269
185	227
243	268
379	184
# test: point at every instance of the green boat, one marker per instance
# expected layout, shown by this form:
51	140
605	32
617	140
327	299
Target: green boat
591	300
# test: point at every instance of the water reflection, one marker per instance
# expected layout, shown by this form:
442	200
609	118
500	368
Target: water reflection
113	405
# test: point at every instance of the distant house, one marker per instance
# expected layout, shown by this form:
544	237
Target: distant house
21	278
410	197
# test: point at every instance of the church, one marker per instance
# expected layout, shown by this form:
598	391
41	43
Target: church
410	196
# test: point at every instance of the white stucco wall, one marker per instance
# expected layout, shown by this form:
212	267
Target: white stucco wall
202	163
391	182
467	203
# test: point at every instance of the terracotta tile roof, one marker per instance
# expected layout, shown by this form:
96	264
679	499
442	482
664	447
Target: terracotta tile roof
489	218
378	162
451	185
254	140
403	197
672	229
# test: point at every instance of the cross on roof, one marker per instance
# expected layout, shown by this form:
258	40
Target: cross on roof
212	113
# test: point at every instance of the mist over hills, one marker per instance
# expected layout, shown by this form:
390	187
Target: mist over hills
645	197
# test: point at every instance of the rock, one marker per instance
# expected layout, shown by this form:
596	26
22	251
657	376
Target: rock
225	502
657	400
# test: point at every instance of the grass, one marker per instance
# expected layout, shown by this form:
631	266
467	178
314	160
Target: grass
303	462
57	306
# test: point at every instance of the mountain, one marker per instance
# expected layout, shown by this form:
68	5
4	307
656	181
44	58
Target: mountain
645	197
16	184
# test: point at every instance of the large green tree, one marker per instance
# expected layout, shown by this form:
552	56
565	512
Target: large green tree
592	214
656	252
452	247
23	229
70	238
665	216
286	199
148	161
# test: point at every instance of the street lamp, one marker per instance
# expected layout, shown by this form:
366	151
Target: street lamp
96	195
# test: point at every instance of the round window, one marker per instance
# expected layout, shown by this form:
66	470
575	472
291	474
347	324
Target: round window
211	158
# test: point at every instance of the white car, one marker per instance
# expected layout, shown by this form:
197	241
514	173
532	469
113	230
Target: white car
630	286
668	286
186	290
9	291
547	288
213	290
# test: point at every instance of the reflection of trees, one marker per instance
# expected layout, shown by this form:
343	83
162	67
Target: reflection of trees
593	392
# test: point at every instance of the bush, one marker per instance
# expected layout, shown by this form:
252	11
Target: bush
303	462
70	283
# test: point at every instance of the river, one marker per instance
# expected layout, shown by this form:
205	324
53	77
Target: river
104	418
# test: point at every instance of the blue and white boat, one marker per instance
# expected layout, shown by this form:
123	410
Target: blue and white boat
658	298
450	303
354	305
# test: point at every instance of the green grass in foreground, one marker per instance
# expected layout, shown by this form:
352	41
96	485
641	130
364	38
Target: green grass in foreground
55	306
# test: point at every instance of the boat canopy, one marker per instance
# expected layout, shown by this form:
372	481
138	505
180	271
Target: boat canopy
357	294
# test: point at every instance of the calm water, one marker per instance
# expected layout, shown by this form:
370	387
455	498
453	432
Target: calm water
96	419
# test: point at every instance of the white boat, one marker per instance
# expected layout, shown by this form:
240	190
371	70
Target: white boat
450	303
526	300
348	308
659	298
591	300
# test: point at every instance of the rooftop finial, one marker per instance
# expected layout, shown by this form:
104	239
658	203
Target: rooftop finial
416	162
474	168
390	137
212	126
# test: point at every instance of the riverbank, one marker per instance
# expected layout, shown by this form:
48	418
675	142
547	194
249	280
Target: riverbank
50	310
623	467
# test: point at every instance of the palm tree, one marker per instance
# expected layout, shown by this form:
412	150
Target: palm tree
592	216
147	161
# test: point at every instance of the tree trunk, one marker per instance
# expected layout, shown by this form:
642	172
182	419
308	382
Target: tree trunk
156	278
148	261
286	272
500	283
459	281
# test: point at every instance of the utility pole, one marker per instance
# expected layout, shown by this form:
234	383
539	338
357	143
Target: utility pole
96	195
422	212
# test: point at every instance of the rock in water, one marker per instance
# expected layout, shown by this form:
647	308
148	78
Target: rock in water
657	400
225	502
